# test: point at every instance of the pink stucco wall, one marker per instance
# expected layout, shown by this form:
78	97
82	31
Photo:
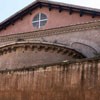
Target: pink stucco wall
55	19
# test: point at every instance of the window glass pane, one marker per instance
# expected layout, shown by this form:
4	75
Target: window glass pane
36	18
43	16
36	24
42	23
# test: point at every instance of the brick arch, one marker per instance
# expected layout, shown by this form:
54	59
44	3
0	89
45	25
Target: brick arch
86	45
86	42
84	48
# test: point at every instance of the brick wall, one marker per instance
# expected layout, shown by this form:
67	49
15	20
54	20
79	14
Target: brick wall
25	54
84	38
78	80
55	19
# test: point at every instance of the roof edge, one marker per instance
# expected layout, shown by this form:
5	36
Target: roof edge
37	3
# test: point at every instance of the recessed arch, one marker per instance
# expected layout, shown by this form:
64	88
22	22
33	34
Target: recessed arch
87	50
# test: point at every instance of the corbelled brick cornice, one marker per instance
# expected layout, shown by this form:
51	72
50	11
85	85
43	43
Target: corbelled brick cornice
39	46
54	31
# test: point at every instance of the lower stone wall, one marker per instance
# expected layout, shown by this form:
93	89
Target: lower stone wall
64	81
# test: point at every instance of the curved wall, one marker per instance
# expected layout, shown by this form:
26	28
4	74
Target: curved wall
22	58
74	81
22	55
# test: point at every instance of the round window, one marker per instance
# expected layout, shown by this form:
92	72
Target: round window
39	20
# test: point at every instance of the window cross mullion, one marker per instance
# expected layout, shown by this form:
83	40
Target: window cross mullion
35	21
39	19
43	20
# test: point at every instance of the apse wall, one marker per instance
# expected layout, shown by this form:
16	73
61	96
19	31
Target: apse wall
78	80
25	54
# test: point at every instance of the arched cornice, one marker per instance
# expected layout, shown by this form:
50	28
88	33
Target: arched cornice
41	46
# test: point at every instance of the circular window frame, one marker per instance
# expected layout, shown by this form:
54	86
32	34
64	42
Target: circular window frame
39	21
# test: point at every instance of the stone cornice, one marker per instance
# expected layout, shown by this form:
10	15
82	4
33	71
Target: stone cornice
54	31
8	48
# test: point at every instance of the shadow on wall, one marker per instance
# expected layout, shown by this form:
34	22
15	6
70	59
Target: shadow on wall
87	50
